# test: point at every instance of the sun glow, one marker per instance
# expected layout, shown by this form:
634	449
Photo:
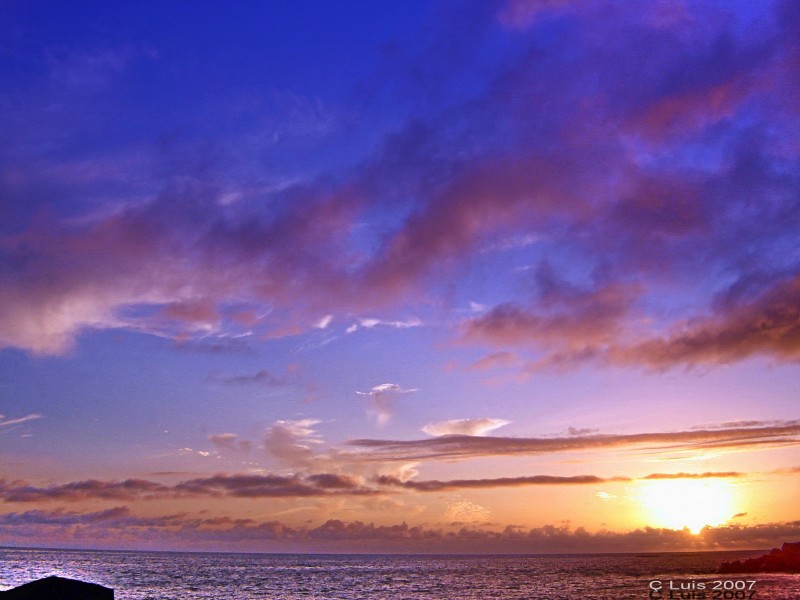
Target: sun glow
687	503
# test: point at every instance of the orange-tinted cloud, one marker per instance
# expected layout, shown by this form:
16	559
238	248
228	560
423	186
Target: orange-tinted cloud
464	426
463	484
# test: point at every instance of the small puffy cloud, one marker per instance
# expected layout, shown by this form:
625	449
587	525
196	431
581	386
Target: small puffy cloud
204	453
476	306
292	442
385	388
475	427
464	511
382	399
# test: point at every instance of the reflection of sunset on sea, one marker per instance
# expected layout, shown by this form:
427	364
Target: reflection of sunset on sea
507	277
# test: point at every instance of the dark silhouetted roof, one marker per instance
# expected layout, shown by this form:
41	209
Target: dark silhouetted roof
58	588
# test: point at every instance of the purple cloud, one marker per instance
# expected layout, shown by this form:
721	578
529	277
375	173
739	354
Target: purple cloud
183	531
452	447
649	149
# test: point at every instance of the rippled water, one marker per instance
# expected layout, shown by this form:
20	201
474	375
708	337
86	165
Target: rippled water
183	576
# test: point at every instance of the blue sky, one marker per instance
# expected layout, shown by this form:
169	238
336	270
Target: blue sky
385	263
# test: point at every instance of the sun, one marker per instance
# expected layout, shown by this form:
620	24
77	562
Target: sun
687	503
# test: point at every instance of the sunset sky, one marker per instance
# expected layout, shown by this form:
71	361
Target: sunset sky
514	276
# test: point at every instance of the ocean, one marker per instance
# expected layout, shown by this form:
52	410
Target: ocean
218	576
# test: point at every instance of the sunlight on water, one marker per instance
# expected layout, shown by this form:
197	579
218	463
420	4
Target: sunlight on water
184	576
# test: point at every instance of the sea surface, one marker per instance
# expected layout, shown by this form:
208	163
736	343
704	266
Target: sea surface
185	576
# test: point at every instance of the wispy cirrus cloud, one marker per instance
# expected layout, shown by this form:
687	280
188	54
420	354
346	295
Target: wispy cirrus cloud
7	422
706	475
495	360
369	323
467	484
464	447
538	480
746	423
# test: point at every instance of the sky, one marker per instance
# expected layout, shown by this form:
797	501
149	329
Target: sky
511	276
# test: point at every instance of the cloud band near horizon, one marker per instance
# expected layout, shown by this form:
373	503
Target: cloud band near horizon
181	531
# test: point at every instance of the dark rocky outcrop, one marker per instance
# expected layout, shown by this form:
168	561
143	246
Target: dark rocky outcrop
783	560
58	588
